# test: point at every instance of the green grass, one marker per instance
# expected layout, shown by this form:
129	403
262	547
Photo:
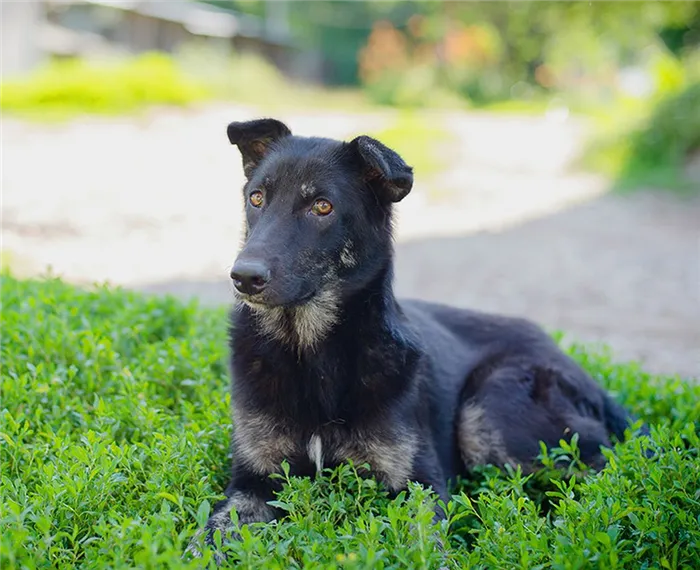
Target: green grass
115	435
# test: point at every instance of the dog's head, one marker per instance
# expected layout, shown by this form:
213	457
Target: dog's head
318	214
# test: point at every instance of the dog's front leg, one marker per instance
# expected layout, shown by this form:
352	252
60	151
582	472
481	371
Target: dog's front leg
251	506
428	473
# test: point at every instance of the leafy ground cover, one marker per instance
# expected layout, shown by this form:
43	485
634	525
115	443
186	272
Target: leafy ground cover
114	440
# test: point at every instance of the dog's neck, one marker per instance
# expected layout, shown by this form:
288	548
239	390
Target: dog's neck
367	354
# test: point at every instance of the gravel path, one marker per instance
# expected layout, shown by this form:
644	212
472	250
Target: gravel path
154	204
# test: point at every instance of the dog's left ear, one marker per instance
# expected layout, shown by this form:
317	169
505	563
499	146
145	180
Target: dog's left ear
253	139
383	169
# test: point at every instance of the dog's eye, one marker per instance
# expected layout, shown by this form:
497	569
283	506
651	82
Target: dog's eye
321	208
256	199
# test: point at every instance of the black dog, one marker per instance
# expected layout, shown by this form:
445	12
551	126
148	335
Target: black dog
328	365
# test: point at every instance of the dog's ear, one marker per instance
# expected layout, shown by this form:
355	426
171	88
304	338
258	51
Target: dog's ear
253	139
383	169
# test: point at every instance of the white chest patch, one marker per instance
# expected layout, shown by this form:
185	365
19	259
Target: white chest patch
315	450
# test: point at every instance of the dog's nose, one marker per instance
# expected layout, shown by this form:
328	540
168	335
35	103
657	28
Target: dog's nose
250	277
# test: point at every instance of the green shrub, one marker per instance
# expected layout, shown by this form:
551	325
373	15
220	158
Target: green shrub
71	87
243	77
667	137
115	441
648	143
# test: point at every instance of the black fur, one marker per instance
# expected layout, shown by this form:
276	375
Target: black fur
328	366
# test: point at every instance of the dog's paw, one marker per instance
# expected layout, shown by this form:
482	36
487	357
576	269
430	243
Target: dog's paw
194	547
205	537
241	508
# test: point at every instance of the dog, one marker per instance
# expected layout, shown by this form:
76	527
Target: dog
328	366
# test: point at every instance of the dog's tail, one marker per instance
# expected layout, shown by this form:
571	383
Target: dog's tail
617	419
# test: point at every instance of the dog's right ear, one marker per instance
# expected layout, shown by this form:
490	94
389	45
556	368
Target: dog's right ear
253	139
383	169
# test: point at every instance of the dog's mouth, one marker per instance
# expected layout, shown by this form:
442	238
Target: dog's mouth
259	303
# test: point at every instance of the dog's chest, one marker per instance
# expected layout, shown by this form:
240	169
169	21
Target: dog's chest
390	457
262	443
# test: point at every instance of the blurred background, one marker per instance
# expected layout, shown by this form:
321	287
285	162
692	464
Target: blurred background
556	147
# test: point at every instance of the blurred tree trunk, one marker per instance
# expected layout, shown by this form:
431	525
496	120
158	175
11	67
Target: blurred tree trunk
277	18
20	31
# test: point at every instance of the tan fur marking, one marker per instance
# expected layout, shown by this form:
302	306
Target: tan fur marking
260	443
390	461
479	442
271	320
303	326
314	320
259	147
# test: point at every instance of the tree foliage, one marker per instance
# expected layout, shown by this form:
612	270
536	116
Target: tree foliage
585	35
